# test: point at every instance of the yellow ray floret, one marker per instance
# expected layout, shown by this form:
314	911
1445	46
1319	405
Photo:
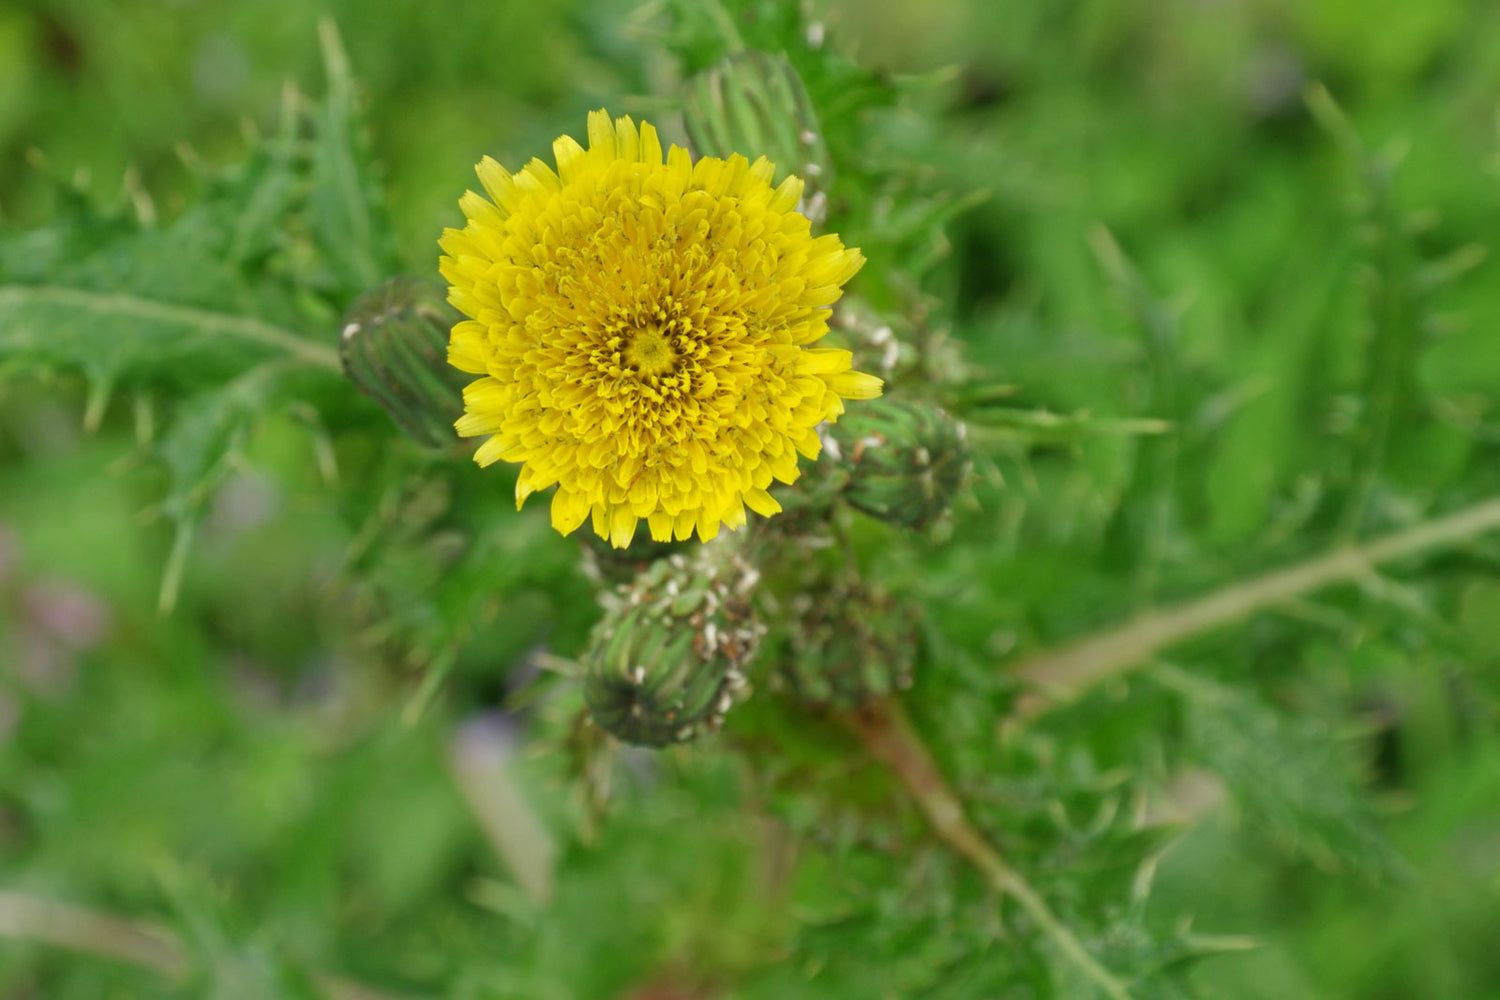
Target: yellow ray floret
642	325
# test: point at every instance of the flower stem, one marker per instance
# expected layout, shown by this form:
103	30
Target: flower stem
1063	674
889	737
36	918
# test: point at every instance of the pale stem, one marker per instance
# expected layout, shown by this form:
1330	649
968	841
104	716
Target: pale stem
35	918
1061	675
225	324
49	922
889	737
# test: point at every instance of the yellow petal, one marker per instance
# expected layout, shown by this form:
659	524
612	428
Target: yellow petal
855	385
762	502
823	360
627	139
489	452
568	155
569	510
650	145
621	527
497	184
601	134
660	523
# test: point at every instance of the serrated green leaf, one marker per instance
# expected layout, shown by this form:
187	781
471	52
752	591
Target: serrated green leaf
194	300
206	437
1289	775
231	281
230	306
346	209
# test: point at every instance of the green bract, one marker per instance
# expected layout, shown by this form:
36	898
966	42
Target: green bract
394	345
851	645
754	103
666	663
905	460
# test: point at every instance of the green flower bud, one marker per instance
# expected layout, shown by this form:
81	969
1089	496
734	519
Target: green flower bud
906	460
394	346
850	646
665	664
753	103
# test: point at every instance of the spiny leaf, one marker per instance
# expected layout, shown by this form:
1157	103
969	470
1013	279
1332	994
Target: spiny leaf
231	305
346	208
1146	522
129	301
1289	775
206	437
222	286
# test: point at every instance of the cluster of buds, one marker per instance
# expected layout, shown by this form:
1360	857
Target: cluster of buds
905	461
668	659
851	645
394	346
670	655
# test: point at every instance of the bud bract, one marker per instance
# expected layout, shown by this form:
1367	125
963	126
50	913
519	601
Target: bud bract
612	567
754	103
667	661
850	645
905	460
394	345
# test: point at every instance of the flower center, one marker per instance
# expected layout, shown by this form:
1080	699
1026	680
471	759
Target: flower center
649	352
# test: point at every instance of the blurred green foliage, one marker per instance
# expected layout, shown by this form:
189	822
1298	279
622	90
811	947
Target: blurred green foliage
1202	316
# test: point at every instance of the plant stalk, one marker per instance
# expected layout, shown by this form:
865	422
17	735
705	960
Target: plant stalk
1061	675
888	736
35	918
229	325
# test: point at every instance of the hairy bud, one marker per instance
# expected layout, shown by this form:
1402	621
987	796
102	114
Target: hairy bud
754	103
852	645
905	460
394	345
611	567
667	661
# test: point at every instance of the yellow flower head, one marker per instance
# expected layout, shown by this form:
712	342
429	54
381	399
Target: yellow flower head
643	327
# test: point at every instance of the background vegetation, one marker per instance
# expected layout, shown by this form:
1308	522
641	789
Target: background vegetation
1208	281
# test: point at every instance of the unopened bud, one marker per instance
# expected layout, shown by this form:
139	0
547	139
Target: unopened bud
906	460
852	645
668	661
754	103
394	345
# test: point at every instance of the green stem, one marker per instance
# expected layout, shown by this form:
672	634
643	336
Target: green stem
1063	674
889	737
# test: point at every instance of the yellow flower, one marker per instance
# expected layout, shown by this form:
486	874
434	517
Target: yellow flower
644	329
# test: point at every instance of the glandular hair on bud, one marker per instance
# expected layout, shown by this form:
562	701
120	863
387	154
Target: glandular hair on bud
905	460
754	103
852	644
668	658
394	345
